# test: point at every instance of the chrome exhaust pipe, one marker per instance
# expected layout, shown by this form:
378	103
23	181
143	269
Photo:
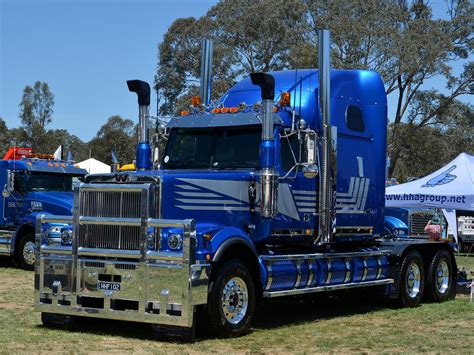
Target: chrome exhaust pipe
328	178
143	155
268	174
206	71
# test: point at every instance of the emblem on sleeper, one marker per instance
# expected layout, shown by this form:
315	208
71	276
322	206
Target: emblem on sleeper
444	178
354	200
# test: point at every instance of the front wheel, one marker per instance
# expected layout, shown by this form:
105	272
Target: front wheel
412	280
231	300
27	252
439	280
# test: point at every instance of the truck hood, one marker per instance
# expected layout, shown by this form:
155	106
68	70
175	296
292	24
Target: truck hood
58	203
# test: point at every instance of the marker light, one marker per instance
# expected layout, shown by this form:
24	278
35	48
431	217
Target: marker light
224	110
196	100
184	113
234	109
285	99
216	110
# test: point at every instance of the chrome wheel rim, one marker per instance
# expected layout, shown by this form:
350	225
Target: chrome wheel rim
235	300
442	277
29	253
413	280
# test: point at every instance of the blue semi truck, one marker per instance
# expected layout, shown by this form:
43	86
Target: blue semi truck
275	190
33	184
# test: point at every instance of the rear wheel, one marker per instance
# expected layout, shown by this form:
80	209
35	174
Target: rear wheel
439	279
412	280
27	251
231	300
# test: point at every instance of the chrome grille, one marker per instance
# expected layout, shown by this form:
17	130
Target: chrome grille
418	222
115	202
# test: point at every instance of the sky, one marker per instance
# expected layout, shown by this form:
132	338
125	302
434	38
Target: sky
86	50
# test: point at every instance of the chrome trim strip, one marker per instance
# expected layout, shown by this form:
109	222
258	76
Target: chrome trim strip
110	221
109	253
323	256
379	268
63	250
347	262
366	269
326	288
270	276
329	275
298	274
310	273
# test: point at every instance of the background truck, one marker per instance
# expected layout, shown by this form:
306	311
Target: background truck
411	222
276	190
465	233
33	184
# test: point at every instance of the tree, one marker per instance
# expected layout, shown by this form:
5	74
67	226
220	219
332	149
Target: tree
118	134
36	111
239	47
400	39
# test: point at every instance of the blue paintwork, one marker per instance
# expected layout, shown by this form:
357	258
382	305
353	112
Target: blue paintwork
223	212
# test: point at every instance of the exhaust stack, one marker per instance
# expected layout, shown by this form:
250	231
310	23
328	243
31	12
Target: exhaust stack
142	89
327	185
268	174
206	71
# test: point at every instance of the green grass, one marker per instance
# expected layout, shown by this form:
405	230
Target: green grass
318	324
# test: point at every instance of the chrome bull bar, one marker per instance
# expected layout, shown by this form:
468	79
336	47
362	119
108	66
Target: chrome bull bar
134	285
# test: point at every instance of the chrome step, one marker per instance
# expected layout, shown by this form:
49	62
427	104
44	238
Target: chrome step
326	288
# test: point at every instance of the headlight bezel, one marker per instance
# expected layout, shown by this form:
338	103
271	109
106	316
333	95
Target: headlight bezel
175	241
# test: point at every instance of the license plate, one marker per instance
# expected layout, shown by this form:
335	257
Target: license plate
108	286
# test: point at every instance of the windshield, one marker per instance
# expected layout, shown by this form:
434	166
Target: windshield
213	148
37	181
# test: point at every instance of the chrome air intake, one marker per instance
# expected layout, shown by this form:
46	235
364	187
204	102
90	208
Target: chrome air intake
142	89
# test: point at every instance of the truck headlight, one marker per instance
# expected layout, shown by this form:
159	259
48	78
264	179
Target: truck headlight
175	241
151	241
66	237
53	231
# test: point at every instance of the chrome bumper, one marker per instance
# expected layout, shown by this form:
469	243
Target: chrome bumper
155	287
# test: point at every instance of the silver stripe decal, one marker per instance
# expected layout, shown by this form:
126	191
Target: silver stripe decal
310	210
305	198
351	189
212	208
304	192
188	187
217	201
303	204
197	194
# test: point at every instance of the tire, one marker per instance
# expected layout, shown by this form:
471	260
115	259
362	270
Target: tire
51	320
439	278
411	280
27	251
231	300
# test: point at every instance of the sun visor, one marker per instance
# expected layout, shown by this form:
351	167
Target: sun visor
53	167
220	120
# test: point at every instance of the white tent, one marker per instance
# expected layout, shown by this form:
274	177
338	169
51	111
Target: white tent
93	166
449	188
